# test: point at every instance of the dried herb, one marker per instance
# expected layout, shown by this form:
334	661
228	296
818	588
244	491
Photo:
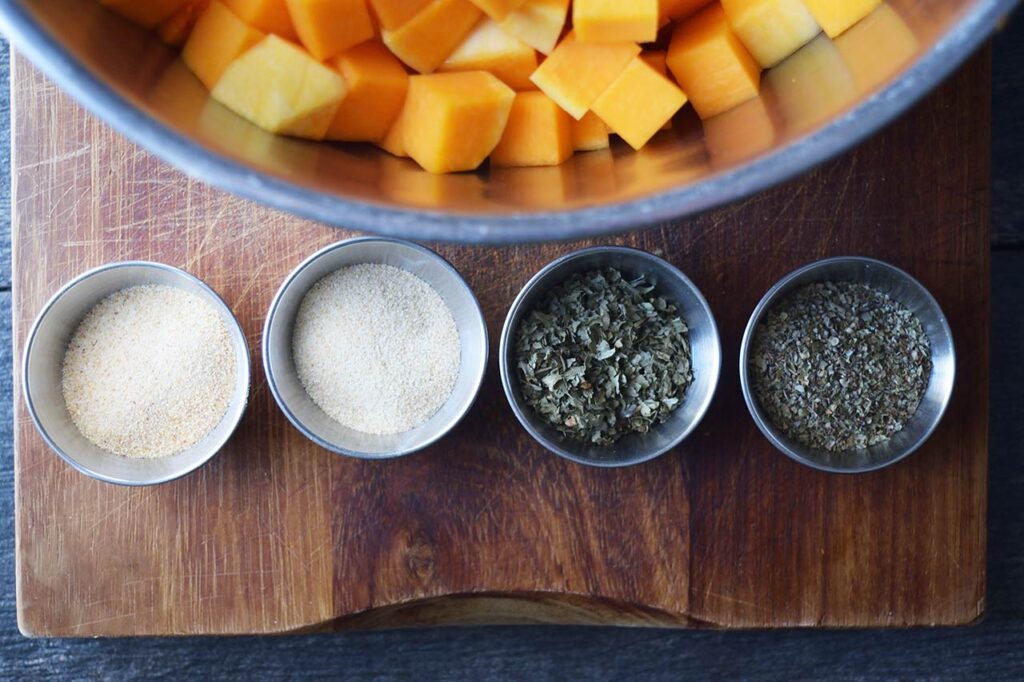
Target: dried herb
602	357
839	366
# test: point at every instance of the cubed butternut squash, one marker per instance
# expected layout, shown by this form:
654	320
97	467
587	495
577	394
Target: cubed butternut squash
218	38
393	13
589	133
638	103
711	64
426	40
611	21
876	47
269	16
576	73
376	83
394	141
538	133
329	27
280	87
538	23
453	121
145	13
835	16
679	9
489	48
175	29
657	60
497	9
771	30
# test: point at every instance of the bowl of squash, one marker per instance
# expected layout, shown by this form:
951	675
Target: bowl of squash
497	120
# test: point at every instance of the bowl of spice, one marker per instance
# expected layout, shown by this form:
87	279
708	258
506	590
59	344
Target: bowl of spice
375	348
136	373
847	364
610	356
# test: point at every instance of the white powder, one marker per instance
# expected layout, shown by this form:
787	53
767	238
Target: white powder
376	348
149	372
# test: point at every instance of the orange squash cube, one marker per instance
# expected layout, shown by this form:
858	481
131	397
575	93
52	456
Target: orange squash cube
394	141
679	9
145	13
489	48
218	38
329	27
658	60
426	40
771	30
835	16
453	121
538	23
589	133
611	21
281	88
876	47
497	9
711	64
576	73
377	83
175	29
537	133
638	103
393	13
269	16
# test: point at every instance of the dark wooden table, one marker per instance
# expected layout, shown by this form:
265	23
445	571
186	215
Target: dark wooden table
992	649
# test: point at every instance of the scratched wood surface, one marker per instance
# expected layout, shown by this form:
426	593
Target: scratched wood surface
276	535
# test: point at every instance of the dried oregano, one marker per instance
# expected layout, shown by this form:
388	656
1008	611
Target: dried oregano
602	357
839	366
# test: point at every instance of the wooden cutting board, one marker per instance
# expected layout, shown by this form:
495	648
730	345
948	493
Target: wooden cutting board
276	535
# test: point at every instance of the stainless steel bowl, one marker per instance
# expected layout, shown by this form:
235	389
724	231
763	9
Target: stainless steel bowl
705	348
44	359
902	288
822	100
279	363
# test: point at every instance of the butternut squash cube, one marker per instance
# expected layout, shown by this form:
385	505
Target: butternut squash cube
394	141
611	21
269	16
280	87
711	64
145	13
393	13
219	38
489	48
638	103
835	16
175	29
426	40
657	60
679	9
576	73
876	47
589	133
538	23
537	133
376	83
329	27
452	121
497	9
771	30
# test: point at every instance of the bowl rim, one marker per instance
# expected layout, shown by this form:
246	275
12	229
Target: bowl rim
215	298
768	430
801	154
275	391
507	375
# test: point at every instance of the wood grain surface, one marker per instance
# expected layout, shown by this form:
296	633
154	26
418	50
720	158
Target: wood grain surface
276	535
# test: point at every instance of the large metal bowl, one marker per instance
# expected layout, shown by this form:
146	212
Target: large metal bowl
825	98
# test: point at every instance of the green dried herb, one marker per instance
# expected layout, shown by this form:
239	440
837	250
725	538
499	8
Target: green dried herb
839	366
602	357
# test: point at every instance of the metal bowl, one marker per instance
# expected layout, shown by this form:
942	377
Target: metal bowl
705	348
279	363
44	359
817	103
902	288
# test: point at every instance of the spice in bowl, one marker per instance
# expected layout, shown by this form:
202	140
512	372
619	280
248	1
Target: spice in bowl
603	356
839	366
149	371
376	348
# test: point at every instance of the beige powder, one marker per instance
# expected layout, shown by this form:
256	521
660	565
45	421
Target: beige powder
376	348
149	371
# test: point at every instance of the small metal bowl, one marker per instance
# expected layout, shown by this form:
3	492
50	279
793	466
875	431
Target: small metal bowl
705	348
44	360
902	288
283	378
